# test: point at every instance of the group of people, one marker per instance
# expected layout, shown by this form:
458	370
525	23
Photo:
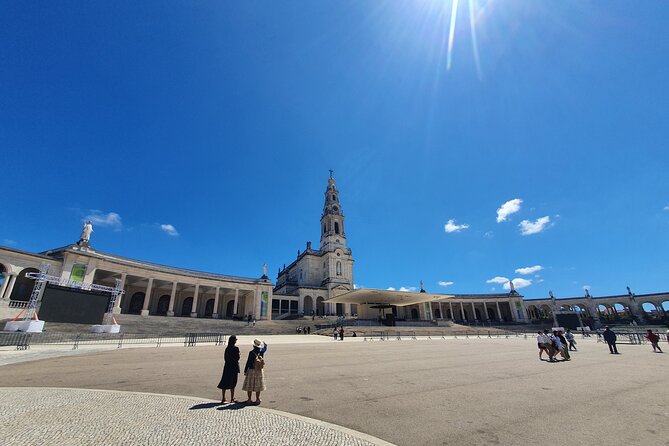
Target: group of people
339	333
254	374
556	343
303	330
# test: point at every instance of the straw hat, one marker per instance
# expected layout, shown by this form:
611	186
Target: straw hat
257	342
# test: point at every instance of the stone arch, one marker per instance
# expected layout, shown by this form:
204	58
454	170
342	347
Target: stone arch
665	306
532	312
320	306
336	227
23	286
565	307
187	306
136	303
546	312
339	308
651	311
209	308
308	305
338	268
580	308
163	305
230	309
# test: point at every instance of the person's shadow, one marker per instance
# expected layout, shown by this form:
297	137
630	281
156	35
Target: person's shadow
204	406
231	406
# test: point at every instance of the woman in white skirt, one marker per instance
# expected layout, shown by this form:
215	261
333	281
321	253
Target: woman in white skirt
254	374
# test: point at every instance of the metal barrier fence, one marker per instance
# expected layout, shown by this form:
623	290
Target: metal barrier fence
632	337
23	341
386	335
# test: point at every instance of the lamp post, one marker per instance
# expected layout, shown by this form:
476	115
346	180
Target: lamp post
554	305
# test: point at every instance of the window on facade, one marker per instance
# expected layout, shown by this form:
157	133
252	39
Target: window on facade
324	229
339	268
334	198
336	228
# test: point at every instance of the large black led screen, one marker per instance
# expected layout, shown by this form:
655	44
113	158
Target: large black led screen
61	304
569	321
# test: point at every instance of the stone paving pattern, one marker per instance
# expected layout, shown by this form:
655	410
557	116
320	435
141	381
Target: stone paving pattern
69	417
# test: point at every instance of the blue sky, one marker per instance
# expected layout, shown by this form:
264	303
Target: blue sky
222	119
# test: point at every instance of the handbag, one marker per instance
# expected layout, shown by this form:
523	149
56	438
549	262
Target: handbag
259	363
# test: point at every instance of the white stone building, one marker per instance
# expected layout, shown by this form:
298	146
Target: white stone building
304	286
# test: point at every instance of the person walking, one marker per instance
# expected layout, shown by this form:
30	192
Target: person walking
654	339
610	338
230	370
570	338
334	334
341	333
565	349
254	380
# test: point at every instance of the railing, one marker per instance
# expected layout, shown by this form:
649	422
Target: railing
18	304
23	341
632	337
386	335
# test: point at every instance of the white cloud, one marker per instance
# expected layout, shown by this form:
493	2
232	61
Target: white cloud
666	208
356	286
169	230
390	288
534	227
497	279
518	283
489	234
442	283
508	208
529	269
411	288
450	226
111	219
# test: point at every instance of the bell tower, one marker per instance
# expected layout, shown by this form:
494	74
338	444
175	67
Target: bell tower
332	220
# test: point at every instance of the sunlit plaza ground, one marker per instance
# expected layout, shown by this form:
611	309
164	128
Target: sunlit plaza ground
409	392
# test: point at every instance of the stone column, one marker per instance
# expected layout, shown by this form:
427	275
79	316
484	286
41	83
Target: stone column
474	312
173	295
485	312
147	298
637	311
234	310
215	314
194	309
499	312
450	307
117	304
462	311
9	278
441	312
256	304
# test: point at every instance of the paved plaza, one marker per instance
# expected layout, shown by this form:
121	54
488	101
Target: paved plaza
410	392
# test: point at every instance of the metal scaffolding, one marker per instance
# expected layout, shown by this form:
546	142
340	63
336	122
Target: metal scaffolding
42	278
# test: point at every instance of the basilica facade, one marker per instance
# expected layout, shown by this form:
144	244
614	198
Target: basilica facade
318	275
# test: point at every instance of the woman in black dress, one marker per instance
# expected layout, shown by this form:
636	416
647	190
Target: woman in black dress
230	370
